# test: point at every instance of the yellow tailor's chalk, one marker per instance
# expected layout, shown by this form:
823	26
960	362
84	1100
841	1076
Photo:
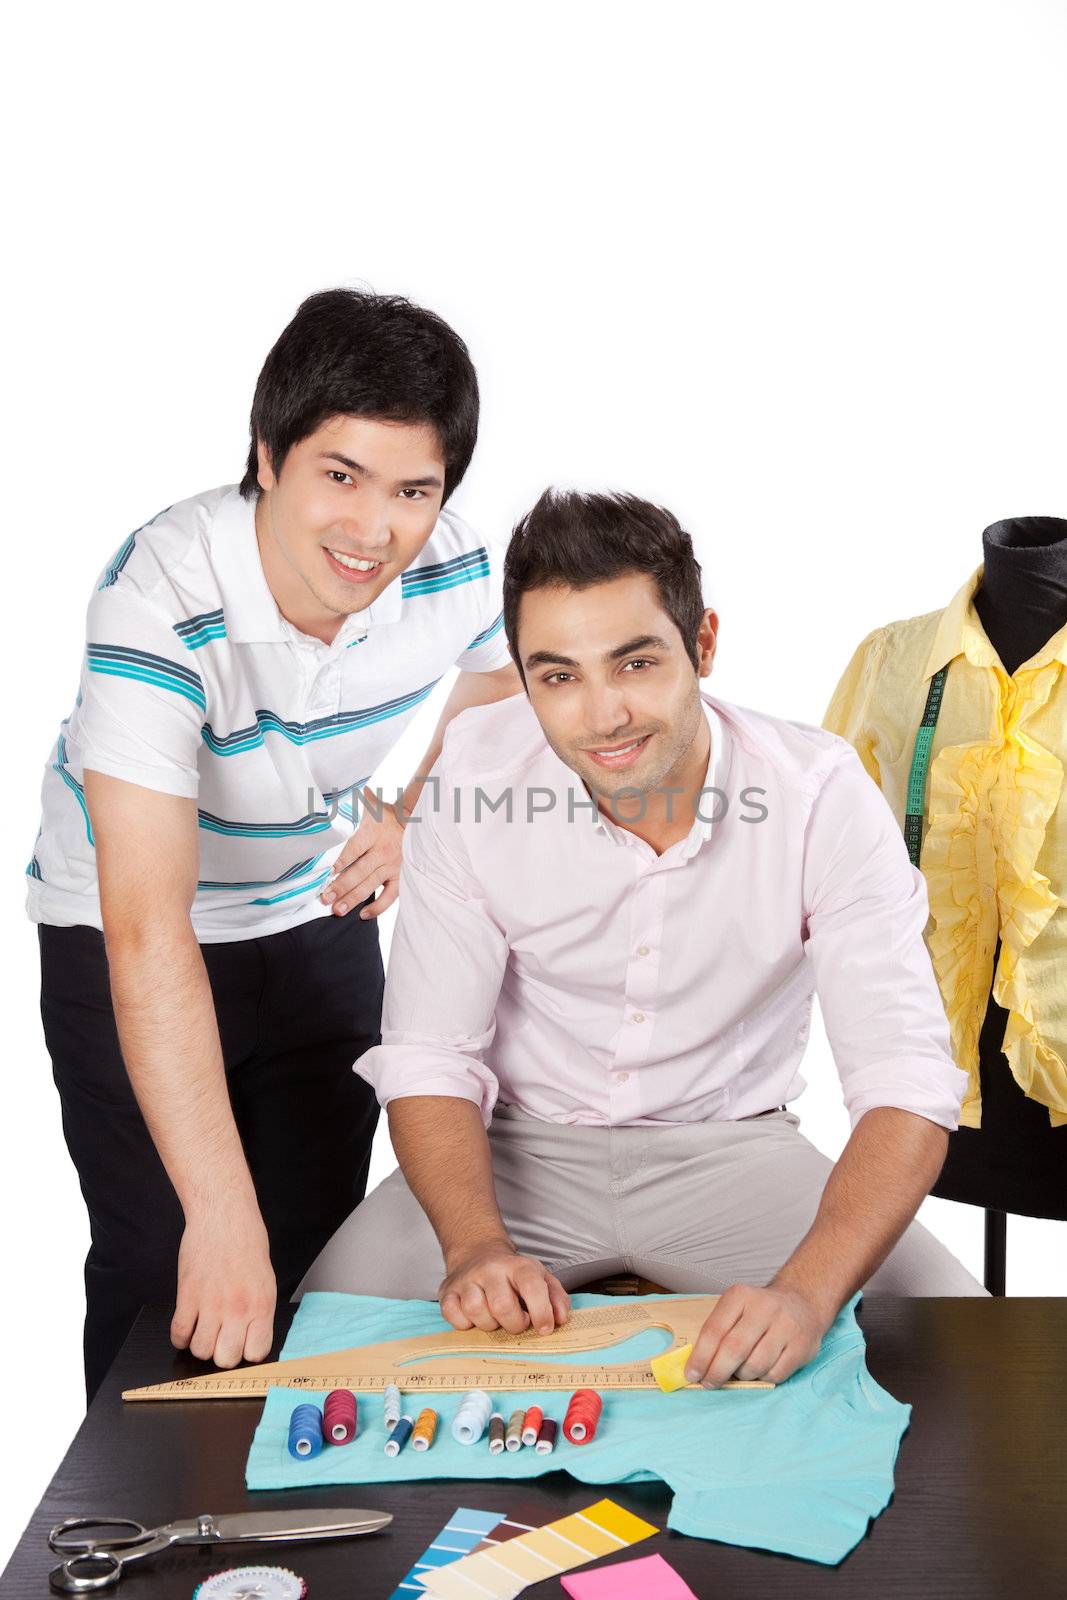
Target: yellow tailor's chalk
669	1370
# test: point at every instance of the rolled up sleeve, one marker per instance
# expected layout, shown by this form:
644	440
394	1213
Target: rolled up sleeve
866	909
446	965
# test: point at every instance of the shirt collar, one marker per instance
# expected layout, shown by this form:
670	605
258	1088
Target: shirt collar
960	632
702	824
252	615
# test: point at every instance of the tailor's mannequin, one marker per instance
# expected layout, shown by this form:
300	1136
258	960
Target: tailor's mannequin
1023	598
1016	1161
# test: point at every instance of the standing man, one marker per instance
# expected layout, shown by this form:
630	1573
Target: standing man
209	949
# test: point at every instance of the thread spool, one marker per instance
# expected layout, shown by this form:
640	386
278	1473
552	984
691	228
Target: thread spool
531	1426
305	1432
583	1414
339	1416
513	1435
472	1418
391	1407
399	1436
422	1435
546	1437
496	1434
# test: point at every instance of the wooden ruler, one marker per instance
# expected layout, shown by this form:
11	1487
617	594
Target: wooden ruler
453	1362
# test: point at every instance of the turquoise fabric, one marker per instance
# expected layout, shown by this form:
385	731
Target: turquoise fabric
799	1469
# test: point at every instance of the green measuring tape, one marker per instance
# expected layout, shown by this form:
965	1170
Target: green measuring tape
920	763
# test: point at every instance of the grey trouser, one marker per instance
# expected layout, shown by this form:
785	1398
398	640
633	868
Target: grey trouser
692	1206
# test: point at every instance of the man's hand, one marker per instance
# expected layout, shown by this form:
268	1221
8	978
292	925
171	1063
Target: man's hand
494	1287
756	1333
226	1289
369	861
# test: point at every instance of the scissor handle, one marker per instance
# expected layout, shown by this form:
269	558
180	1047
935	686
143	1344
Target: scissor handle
66	1579
60	1537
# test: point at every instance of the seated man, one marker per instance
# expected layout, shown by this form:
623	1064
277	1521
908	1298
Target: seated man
618	901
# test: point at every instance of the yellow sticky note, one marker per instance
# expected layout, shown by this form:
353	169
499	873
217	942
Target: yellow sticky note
669	1369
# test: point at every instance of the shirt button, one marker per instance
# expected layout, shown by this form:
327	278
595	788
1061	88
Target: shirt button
642	949
622	1077
638	1016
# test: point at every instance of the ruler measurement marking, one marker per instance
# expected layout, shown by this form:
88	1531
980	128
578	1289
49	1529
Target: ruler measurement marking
507	1378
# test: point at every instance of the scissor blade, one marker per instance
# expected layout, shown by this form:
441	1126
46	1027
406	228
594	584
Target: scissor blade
270	1526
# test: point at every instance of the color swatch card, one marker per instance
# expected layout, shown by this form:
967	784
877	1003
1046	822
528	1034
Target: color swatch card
644	1578
464	1531
511	1564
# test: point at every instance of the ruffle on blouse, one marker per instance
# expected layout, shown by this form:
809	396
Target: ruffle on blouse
989	807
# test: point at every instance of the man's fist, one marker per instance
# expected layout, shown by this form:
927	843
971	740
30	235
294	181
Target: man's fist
494	1287
226	1288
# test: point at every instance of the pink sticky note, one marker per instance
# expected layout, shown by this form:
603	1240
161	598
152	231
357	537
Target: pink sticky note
643	1578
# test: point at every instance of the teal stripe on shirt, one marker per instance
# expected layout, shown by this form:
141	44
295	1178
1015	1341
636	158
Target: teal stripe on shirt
60	765
437	569
125	551
207	885
195	632
301	733
450	580
487	634
138	675
142	666
195	641
315	822
290	894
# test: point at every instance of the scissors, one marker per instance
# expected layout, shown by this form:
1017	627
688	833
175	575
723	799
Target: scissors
97	1563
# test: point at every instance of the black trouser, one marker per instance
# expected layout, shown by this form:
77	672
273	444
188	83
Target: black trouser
295	1010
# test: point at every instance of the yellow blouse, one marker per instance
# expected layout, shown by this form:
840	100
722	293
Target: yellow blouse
994	852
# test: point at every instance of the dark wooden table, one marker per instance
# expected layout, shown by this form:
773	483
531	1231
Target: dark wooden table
980	1507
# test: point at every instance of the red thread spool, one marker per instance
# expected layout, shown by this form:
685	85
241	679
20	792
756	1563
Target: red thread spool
339	1417
531	1426
583	1414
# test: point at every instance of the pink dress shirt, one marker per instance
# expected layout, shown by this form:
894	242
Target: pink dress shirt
553	960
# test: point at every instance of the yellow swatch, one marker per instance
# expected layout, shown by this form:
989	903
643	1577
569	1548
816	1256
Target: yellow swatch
613	1519
669	1369
584	1531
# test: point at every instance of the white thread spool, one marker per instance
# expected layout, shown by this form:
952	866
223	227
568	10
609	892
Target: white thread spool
391	1407
472	1418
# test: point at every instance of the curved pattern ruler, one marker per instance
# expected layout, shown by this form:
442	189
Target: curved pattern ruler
452	1362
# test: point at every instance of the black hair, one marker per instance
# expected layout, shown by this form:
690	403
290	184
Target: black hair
578	540
367	355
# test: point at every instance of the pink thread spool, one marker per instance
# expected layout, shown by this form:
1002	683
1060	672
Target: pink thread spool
339	1417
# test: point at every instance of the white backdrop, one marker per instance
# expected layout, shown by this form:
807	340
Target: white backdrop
794	270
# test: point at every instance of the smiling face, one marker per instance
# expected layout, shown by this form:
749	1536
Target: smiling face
613	686
352	506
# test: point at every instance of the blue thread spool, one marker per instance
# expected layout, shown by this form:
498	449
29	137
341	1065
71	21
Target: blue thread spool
305	1432
399	1436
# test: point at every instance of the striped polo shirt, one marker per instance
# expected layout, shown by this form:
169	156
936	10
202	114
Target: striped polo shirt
195	684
